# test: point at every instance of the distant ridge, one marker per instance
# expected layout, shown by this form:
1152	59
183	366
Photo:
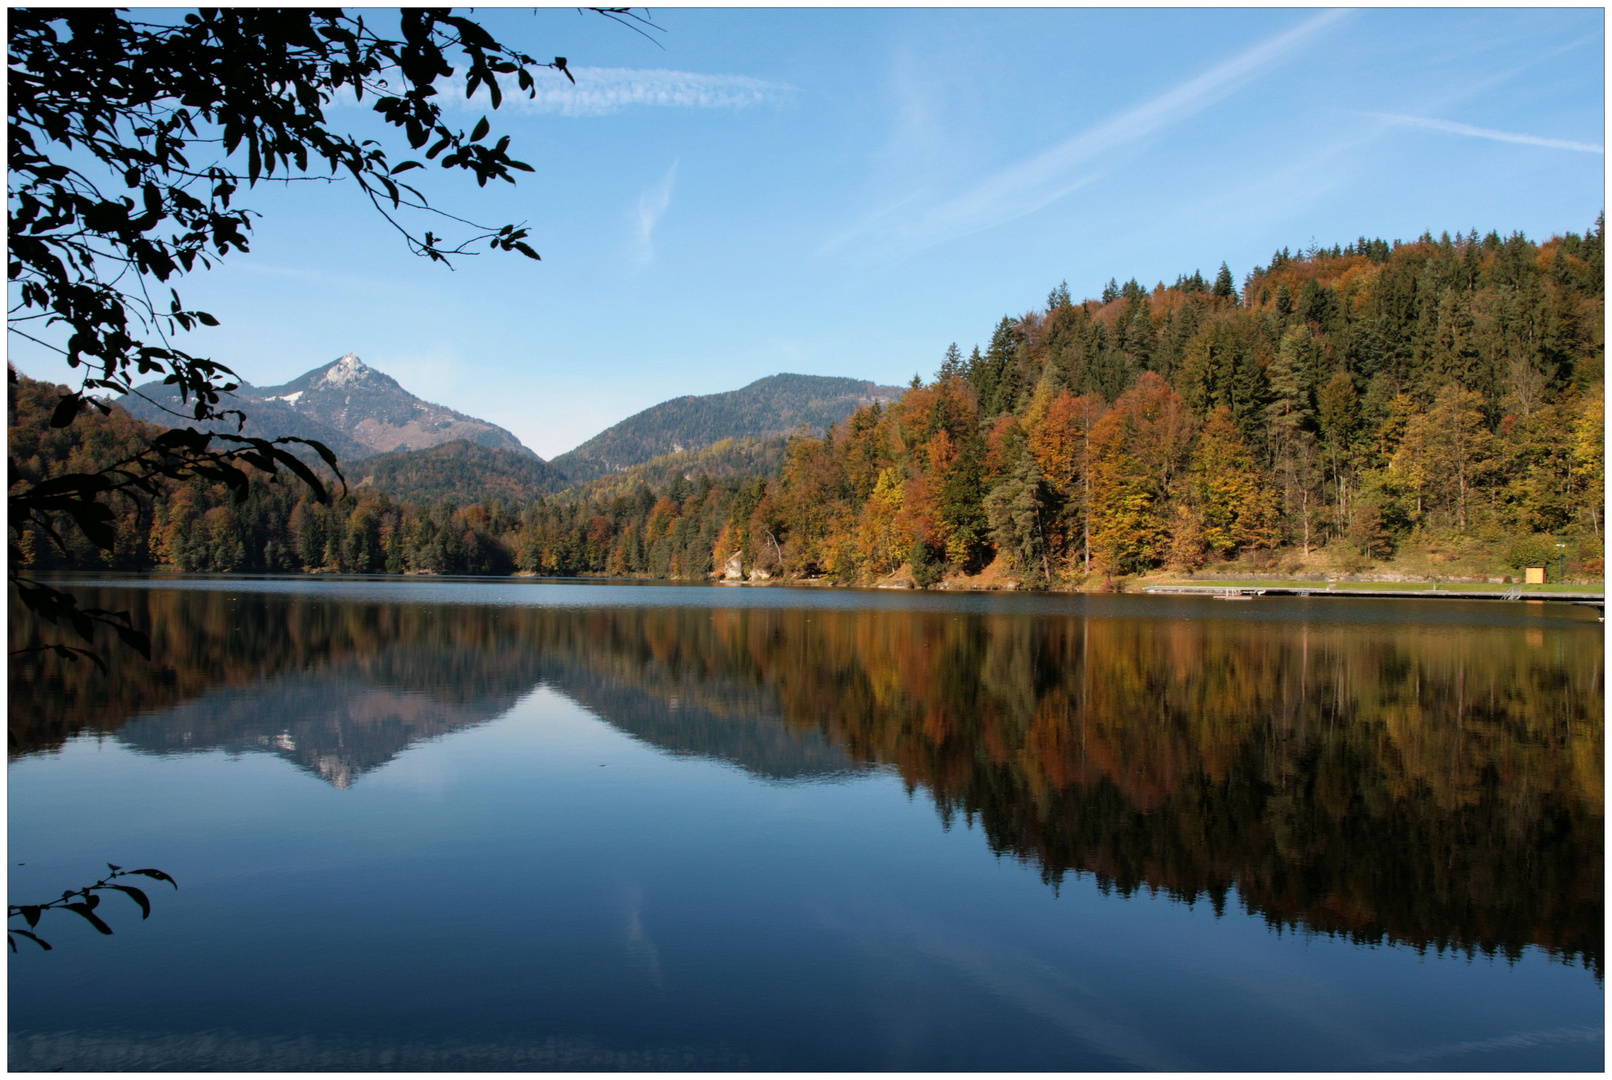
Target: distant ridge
776	405
345	404
461	472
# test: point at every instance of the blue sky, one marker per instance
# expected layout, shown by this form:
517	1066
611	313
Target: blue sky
845	192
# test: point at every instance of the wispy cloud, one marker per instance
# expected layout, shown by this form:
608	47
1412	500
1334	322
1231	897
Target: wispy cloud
652	203
601	91
1031	184
1454	128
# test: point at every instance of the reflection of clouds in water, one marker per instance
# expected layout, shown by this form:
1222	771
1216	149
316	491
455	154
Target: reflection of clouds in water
1522	1040
235	1051
642	952
1035	986
1018	978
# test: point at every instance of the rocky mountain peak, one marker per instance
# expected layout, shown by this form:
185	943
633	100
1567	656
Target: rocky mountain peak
348	369
352	408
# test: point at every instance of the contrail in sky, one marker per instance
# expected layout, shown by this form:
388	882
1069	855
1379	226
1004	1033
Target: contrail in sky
1487	133
1035	182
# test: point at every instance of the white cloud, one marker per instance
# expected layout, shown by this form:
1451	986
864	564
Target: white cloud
1038	181
1454	128
652	203
601	91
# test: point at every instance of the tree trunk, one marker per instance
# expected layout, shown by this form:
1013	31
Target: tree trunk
1306	504
1460	482
1085	512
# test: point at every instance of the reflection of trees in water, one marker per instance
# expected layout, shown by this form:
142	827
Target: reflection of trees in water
1440	786
341	689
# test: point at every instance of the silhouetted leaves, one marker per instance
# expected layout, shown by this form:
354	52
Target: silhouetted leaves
85	905
86	909
14	933
158	874
138	896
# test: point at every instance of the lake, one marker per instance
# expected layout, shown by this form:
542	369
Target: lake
481	825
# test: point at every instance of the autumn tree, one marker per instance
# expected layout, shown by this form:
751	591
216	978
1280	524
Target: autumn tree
1458	445
1138	449
882	546
1230	495
1059	435
1589	451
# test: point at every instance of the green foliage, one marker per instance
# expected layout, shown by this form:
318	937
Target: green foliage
1535	550
460	471
1014	511
742	457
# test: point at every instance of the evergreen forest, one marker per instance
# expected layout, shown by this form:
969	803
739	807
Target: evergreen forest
1344	407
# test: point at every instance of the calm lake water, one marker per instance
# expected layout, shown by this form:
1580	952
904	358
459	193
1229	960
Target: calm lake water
525	825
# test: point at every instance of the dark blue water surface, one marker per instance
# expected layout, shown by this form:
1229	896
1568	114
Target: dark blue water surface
524	825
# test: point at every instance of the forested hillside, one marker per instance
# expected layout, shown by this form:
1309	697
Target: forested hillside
770	407
721	460
460	470
1352	398
1347	404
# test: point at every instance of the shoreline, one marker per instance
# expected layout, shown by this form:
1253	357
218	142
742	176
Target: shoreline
1248	586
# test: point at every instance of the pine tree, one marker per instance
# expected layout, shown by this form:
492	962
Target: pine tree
1014	514
1139	336
997	382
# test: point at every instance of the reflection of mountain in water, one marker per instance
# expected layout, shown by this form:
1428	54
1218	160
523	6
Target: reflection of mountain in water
729	723
334	727
340	718
340	714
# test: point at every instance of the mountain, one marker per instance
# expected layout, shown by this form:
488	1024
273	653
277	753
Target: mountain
461	471
776	405
347	405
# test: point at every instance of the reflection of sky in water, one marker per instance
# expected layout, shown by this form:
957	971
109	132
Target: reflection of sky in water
541	884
